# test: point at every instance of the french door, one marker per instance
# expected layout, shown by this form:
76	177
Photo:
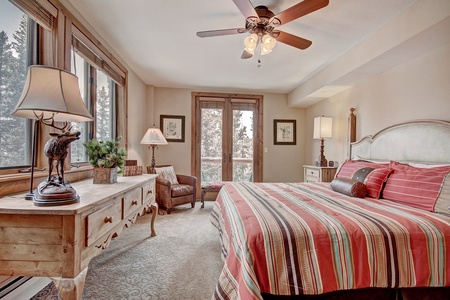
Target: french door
227	143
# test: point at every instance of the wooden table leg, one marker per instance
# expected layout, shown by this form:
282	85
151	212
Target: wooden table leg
154	208
71	288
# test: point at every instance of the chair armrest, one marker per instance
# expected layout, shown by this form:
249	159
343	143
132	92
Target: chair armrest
187	179
163	181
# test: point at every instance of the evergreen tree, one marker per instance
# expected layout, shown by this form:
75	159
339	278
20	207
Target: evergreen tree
5	61
103	114
242	147
13	65
211	145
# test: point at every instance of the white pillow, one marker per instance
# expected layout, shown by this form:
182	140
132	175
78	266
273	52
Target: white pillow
426	166
167	173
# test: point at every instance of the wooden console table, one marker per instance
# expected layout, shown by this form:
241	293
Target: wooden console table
60	241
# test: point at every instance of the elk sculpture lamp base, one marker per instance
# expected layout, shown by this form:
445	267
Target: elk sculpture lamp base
55	193
55	190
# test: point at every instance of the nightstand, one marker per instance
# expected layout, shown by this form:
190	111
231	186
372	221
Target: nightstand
318	174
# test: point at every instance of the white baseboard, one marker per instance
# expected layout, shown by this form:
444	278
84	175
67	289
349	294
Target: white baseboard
28	289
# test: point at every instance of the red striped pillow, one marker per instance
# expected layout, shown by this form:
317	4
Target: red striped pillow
376	175
416	187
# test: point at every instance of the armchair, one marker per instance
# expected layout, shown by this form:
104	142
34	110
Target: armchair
173	189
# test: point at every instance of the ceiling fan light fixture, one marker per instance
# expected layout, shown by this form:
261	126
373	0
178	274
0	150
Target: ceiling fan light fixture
251	42
250	50
265	50
267	44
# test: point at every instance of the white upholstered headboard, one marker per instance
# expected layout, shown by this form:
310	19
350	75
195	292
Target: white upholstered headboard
421	141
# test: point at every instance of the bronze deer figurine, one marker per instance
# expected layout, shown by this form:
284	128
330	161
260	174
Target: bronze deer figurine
56	149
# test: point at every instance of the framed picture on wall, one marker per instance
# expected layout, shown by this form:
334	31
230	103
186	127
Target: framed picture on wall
173	128
284	132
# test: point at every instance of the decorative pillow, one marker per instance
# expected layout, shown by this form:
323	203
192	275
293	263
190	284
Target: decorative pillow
349	187
167	173
373	175
417	187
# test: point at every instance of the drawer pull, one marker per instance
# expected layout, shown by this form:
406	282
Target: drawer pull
108	219
134	202
149	192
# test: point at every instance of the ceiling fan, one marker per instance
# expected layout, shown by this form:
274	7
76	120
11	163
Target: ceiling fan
261	24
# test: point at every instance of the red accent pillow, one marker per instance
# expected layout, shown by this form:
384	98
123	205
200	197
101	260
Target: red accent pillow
375	175
416	187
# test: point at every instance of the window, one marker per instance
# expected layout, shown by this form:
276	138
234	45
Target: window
15	56
81	69
36	32
98	93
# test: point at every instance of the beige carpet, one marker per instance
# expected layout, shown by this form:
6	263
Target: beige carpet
181	262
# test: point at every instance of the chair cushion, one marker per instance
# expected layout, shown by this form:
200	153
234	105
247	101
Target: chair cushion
181	190
167	173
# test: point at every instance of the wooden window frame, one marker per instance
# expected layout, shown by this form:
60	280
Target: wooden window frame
55	44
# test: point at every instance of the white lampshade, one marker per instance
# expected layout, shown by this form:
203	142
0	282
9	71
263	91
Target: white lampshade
51	93
323	127
154	136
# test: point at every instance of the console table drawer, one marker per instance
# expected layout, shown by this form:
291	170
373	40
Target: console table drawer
148	192
101	221
131	202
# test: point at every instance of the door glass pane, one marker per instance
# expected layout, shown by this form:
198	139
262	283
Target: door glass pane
211	144
242	145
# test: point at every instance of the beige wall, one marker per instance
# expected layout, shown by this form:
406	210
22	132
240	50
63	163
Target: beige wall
417	89
281	163
137	112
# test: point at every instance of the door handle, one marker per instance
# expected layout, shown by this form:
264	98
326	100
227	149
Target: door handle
224	158
230	158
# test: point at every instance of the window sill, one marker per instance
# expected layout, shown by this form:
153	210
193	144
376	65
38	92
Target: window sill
15	183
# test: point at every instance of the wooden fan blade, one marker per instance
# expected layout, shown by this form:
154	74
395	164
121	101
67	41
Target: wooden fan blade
246	55
300	9
246	8
210	33
292	40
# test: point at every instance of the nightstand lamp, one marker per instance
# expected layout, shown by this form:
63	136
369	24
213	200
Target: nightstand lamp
153	137
323	128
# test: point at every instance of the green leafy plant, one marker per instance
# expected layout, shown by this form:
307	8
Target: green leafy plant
105	154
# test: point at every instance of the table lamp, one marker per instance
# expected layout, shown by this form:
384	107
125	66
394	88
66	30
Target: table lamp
323	128
52	95
153	137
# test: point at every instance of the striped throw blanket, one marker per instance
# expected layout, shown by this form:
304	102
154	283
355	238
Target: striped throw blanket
304	238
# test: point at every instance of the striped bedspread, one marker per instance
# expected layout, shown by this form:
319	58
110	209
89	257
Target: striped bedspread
304	238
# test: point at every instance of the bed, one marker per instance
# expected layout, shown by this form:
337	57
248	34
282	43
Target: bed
322	241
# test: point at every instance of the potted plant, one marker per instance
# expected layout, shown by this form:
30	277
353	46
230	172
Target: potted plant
105	157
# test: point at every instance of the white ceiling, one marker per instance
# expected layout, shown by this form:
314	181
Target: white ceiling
157	39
